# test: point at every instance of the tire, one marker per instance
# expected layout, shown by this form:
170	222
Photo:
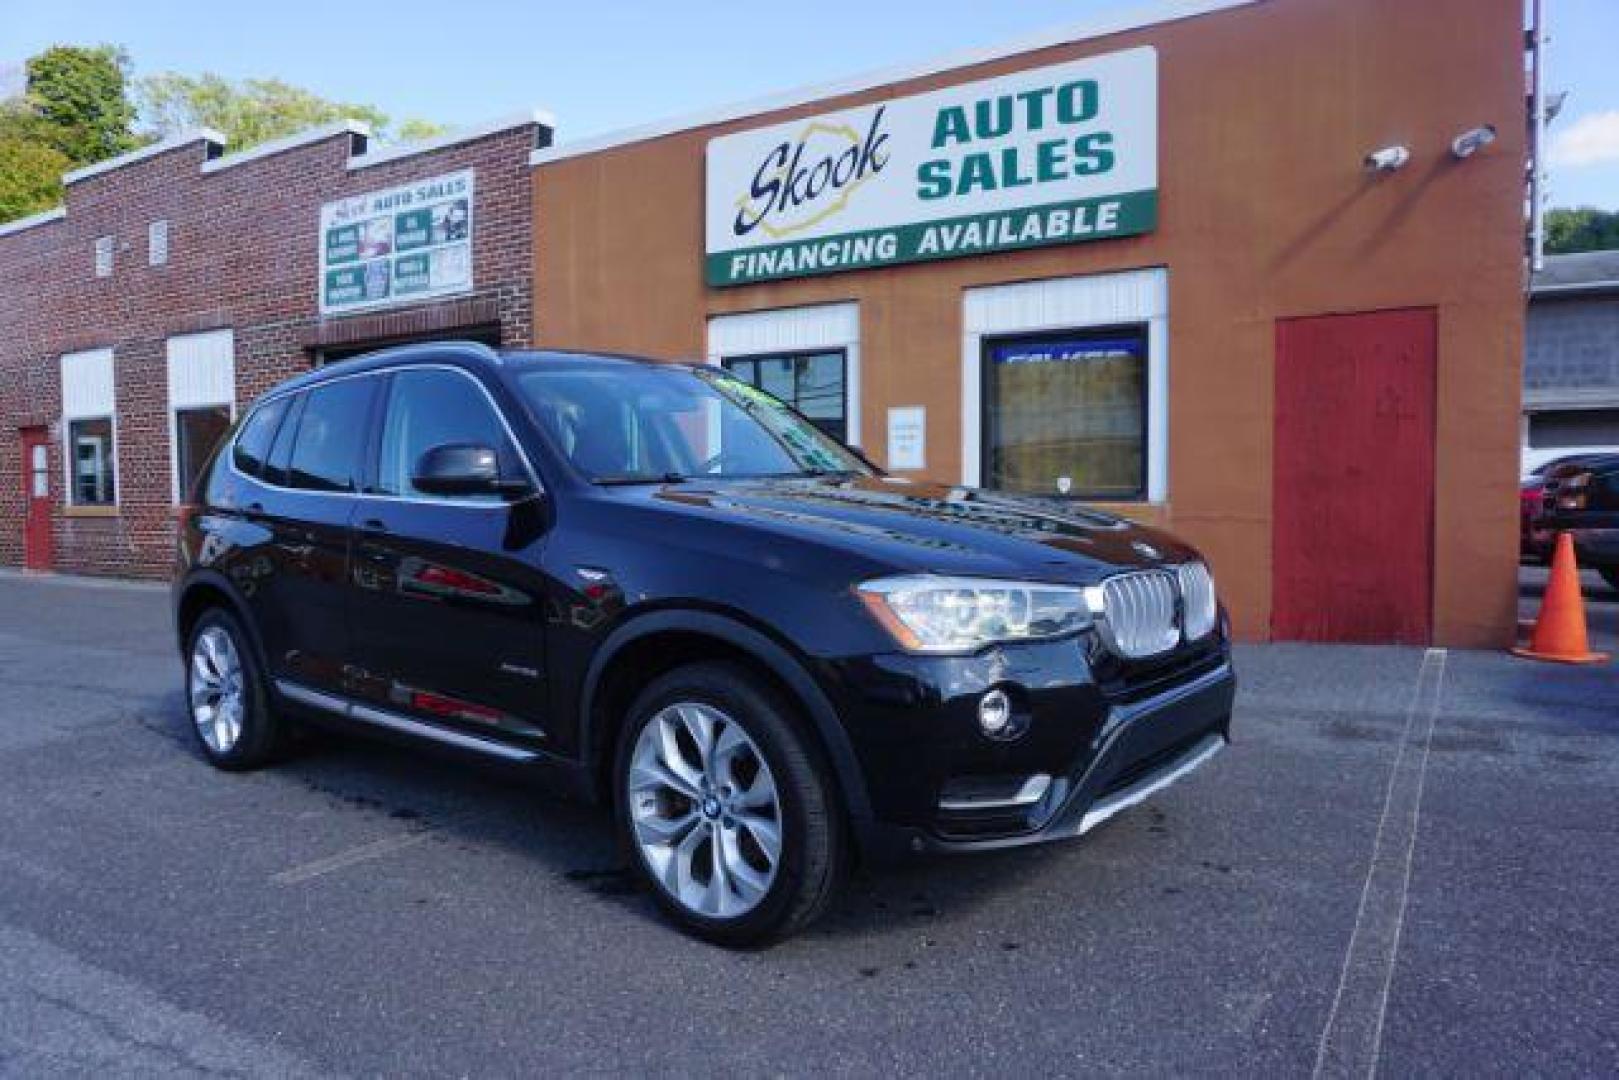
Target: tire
1610	574
230	713
758	899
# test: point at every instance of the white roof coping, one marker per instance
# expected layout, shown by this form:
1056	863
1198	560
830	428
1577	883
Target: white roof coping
41	218
288	142
1102	25
162	146
376	155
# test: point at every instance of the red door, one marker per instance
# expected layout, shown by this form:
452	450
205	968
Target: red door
36	481
1353	482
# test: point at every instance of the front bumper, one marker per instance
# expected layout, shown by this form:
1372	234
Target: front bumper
1092	751
1152	744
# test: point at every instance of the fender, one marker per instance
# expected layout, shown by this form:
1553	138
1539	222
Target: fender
781	663
220	583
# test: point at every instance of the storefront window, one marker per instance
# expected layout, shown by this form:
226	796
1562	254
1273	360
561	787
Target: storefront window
1066	414
91	459
812	383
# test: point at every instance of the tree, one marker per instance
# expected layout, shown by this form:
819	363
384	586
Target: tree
251	111
80	94
416	129
1581	229
30	174
74	110
77	109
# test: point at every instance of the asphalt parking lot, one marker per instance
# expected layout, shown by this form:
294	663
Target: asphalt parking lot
1406	864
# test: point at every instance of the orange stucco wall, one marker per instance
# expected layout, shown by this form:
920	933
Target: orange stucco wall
1265	113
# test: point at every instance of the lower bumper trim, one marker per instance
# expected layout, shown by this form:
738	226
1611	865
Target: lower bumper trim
1144	788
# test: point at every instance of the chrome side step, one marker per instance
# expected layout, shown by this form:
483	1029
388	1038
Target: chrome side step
1149	785
367	714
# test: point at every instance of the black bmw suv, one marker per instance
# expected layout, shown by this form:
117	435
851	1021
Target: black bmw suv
669	591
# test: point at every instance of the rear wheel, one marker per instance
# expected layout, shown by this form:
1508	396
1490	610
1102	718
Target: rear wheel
226	696
725	806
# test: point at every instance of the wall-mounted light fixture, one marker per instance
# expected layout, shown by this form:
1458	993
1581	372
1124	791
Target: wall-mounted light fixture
1471	142
1387	159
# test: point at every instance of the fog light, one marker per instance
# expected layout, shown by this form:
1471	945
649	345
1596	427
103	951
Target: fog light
995	715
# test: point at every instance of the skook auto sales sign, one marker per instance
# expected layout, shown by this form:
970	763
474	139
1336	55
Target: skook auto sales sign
1052	155
402	244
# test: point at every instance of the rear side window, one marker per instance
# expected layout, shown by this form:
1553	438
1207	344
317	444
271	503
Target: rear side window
276	470
253	444
430	407
326	453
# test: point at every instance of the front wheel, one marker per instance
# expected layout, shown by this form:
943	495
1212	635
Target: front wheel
724	802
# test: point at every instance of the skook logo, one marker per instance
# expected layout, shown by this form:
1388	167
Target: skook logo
807	179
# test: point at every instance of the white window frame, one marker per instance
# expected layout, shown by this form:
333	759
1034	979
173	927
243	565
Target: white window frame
810	328
88	393
202	375
157	243
1139	297
104	256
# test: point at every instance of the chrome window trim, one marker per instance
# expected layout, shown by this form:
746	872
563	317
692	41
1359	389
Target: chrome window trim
522	455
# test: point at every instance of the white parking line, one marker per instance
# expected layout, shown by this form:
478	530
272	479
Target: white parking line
363	853
1353	1035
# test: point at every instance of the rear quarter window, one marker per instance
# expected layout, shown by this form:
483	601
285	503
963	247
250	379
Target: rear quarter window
252	446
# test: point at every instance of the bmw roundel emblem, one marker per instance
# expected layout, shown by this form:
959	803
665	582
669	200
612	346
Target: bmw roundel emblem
1145	550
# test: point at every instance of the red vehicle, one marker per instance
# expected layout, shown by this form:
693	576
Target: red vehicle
1534	539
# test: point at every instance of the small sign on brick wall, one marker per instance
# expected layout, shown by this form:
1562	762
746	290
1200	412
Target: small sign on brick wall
907	437
399	245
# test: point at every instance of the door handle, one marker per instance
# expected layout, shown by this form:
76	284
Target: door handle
374	525
254	507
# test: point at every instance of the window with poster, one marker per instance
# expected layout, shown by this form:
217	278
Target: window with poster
1065	413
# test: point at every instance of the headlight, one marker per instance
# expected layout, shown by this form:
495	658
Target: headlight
951	614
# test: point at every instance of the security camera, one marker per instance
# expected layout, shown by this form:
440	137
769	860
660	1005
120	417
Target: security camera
1387	159
1469	143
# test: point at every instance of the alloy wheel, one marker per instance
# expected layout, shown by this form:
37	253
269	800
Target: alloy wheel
705	810
218	698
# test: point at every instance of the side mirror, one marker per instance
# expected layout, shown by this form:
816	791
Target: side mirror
461	469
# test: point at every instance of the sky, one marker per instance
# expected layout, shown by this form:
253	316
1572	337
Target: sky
598	67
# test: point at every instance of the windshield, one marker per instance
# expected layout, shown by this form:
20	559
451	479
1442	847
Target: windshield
648	424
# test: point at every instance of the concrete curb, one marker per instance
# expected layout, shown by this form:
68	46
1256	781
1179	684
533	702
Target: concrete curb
47	577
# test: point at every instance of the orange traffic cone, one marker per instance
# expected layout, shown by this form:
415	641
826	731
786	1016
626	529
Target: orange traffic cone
1559	632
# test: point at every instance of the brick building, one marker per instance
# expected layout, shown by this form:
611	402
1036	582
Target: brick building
1249	269
178	282
1571	357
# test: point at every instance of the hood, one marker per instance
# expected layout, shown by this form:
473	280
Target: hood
934	528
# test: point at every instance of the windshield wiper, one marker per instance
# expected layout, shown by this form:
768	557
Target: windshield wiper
824	473
641	478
